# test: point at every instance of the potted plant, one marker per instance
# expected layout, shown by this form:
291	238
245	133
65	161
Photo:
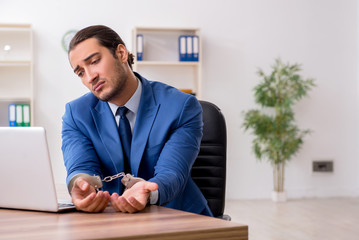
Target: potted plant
277	137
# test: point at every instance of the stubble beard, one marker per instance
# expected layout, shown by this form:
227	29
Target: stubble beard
117	89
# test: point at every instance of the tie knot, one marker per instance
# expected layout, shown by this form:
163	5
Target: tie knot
122	111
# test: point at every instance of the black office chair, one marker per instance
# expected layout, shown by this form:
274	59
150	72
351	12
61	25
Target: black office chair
209	169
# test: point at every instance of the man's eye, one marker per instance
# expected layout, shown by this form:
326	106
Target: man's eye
80	74
95	61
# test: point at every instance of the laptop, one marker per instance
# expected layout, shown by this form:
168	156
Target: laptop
26	177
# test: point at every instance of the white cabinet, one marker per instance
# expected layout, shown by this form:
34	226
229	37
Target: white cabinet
161	58
16	68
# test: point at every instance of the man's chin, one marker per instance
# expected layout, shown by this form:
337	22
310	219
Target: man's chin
103	97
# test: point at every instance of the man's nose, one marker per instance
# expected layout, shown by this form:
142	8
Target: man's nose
91	76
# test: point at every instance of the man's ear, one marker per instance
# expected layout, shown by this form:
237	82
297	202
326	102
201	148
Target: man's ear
122	53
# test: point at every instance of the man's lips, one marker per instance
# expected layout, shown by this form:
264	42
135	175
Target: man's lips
98	86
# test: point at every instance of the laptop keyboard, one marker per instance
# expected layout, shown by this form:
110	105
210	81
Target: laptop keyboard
65	204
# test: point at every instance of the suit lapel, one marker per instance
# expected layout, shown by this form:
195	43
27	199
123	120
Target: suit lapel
146	116
106	127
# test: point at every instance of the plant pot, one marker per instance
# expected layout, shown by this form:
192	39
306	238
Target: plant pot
279	196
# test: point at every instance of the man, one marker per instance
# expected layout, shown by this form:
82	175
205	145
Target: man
166	128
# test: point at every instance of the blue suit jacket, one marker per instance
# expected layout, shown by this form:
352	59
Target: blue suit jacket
165	143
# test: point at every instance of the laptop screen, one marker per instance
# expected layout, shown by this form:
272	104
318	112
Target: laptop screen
26	179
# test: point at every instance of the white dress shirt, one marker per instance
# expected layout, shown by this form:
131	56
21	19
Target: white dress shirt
132	105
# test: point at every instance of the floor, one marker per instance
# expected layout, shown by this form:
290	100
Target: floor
300	219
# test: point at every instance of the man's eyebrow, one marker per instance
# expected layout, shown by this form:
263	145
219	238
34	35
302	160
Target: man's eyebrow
76	68
89	57
86	59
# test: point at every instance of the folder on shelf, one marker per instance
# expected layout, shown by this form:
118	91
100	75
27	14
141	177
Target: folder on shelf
139	47
182	48
19	119
12	115
26	115
195	48
189	44
19	115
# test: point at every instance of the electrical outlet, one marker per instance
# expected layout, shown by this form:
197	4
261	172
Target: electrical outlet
323	166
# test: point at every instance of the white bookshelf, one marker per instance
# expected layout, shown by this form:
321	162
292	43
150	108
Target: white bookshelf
16	68
161	58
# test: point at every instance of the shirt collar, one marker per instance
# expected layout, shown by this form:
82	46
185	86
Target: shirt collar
132	104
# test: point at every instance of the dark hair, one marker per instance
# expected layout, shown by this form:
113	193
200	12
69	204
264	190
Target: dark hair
105	37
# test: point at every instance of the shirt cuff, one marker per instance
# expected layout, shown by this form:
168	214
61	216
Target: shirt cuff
153	197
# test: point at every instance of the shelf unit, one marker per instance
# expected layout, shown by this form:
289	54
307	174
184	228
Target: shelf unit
16	68
161	58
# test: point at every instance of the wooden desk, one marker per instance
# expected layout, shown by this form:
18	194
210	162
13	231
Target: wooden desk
153	223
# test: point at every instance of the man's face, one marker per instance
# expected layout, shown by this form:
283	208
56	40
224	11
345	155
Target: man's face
103	74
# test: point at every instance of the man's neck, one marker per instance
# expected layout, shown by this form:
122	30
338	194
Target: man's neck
126	93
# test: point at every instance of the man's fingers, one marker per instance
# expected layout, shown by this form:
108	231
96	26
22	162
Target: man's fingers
118	202
135	198
93	202
135	204
81	184
125	205
81	190
99	198
83	203
121	204
151	186
101	202
86	199
113	201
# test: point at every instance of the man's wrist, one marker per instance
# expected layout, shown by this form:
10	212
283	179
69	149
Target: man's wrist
71	183
94	181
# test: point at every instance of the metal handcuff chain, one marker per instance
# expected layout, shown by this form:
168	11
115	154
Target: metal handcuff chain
110	178
127	180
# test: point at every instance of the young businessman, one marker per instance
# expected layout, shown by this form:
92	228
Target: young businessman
165	124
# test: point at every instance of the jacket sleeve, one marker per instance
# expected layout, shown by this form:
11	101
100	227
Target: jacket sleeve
78	151
174	164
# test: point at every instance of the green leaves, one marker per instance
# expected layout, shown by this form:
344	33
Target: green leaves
283	87
277	138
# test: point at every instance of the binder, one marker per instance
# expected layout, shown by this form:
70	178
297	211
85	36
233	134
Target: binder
139	47
19	119
26	115
189	43
12	115
182	48
195	48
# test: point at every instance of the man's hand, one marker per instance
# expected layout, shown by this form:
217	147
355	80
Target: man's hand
133	199
86	199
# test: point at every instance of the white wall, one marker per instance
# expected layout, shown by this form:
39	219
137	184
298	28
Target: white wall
238	37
